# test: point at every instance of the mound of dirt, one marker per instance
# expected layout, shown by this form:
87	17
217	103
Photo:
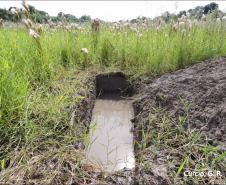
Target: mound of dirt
171	112
197	93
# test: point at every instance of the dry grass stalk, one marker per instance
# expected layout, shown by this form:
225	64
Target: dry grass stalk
1	22
95	26
34	31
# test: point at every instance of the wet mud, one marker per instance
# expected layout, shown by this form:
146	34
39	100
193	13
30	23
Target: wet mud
111	139
110	146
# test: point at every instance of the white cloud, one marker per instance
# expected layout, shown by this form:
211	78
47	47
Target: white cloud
112	10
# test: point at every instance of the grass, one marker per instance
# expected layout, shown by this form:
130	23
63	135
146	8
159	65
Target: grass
36	87
169	144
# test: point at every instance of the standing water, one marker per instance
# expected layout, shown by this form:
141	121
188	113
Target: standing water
111	139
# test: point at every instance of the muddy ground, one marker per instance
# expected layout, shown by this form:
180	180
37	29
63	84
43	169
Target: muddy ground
168	111
197	93
195	96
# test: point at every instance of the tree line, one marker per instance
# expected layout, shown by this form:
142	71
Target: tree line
197	12
40	16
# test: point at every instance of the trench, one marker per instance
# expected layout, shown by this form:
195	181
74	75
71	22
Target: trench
110	146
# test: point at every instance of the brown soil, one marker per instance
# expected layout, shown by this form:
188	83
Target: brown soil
197	94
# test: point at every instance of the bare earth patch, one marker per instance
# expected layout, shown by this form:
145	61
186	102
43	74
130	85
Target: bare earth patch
182	117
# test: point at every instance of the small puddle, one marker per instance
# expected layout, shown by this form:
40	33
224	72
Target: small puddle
111	140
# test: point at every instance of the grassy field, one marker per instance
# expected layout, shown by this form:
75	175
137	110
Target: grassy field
36	82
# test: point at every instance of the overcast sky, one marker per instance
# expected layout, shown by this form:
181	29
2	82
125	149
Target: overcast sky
112	10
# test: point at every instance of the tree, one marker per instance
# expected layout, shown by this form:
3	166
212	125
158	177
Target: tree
71	18
4	14
39	16
210	7
181	13
31	9
85	18
60	14
197	12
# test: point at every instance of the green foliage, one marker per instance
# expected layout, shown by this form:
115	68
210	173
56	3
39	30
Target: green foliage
106	52
195	13
40	16
85	18
210	7
7	15
32	110
65	58
23	67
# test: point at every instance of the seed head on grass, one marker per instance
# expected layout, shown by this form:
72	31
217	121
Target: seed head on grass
27	23
203	18
139	35
33	34
218	20
85	51
26	9
181	24
39	28
25	5
34	31
224	19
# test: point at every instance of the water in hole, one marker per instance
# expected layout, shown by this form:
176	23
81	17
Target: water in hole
111	139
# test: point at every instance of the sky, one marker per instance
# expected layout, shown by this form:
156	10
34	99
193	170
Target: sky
112	10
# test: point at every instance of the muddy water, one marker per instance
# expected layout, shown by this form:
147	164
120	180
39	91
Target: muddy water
111	139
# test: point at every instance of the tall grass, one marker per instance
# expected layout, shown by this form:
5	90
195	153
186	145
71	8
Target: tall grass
26	74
